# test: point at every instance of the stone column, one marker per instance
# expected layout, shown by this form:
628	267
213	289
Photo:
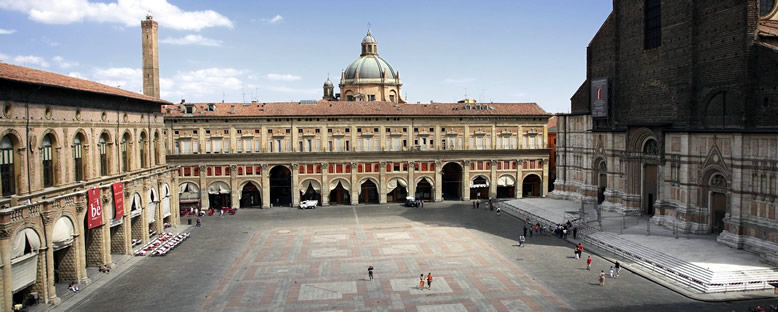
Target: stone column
466	180
544	187
325	185
265	186
235	192
106	227
175	208
411	177
382	180
493	177
5	255
204	201
519	178
295	184
438	181
79	241
48	226
355	187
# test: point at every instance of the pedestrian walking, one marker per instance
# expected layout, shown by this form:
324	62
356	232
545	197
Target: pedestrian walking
521	241
221	213
422	203
199	221
531	229
564	233
589	263
429	280
525	230
578	251
602	278
575	232
473	204
611	272
477	204
618	268
370	272
499	211
421	281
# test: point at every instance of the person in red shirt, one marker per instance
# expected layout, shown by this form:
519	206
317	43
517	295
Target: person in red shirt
589	263
429	280
579	251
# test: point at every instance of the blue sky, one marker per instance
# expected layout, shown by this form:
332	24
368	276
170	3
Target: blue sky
501	51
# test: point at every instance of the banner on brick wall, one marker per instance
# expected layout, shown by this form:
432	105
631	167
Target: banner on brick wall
118	200
95	210
600	98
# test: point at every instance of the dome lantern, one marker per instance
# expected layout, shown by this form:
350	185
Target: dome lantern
369	45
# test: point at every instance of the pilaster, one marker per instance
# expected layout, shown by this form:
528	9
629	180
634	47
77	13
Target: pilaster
295	184
466	179
355	187
438	181
382	180
235	192
325	184
265	185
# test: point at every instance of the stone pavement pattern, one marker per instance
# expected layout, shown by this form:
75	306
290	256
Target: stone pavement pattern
315	260
320	268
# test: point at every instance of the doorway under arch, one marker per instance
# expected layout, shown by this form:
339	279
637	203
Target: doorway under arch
310	190
451	181
479	187
368	192
506	187
398	190
250	196
424	189
602	180
340	192
530	186
280	186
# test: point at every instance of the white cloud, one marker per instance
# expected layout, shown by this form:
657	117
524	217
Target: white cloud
62	63
7	31
274	20
193	40
76	75
458	80
29	60
202	83
125	12
122	77
283	77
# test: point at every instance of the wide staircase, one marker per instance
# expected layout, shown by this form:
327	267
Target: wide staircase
683	273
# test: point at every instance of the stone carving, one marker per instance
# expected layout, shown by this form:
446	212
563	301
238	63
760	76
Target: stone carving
325	165
264	167
80	206
5	233
718	181
650	148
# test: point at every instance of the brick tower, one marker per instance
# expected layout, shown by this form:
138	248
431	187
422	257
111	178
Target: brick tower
150	57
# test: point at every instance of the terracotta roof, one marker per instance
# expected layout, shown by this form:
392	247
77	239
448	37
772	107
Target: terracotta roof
348	108
39	77
552	124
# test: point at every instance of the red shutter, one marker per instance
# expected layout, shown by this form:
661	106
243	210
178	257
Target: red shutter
375	167
240	171
389	167
218	171
318	168
348	168
310	168
423	166
208	171
196	171
226	171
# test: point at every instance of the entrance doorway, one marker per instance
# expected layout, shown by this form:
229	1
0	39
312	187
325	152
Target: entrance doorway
219	195
250	196
280	186
340	195
451	181
479	188
424	190
368	193
506	187
649	189
310	193
397	190
718	209
530	187
602	181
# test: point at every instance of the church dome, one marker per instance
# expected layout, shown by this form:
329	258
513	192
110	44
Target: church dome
369	66
369	38
328	83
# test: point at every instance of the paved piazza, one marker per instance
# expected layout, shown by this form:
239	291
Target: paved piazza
316	260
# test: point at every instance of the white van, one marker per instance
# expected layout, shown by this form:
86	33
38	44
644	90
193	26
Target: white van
309	204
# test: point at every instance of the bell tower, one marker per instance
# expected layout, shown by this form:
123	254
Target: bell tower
150	57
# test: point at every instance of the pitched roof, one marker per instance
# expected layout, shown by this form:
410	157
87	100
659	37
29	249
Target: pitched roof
349	108
39	77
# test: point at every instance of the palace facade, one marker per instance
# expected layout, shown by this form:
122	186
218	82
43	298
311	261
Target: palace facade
677	119
83	176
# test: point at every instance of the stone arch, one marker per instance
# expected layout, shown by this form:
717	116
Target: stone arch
50	160
153	195
371	178
54	135
715	197
250	194
531	184
83	134
506	186
419	178
638	139
14	135
421	189
310	189
11	164
252	181
35	228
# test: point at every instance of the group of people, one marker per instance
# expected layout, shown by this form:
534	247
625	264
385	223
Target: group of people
105	269
73	287
422	278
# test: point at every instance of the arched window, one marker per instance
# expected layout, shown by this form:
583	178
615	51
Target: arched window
125	156
765	7
7	166
142	147
47	159
154	150
650	148
78	164
102	146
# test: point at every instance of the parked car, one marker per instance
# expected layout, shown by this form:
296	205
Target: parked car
309	204
411	202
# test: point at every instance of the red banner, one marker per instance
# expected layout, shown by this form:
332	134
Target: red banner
118	199
94	210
